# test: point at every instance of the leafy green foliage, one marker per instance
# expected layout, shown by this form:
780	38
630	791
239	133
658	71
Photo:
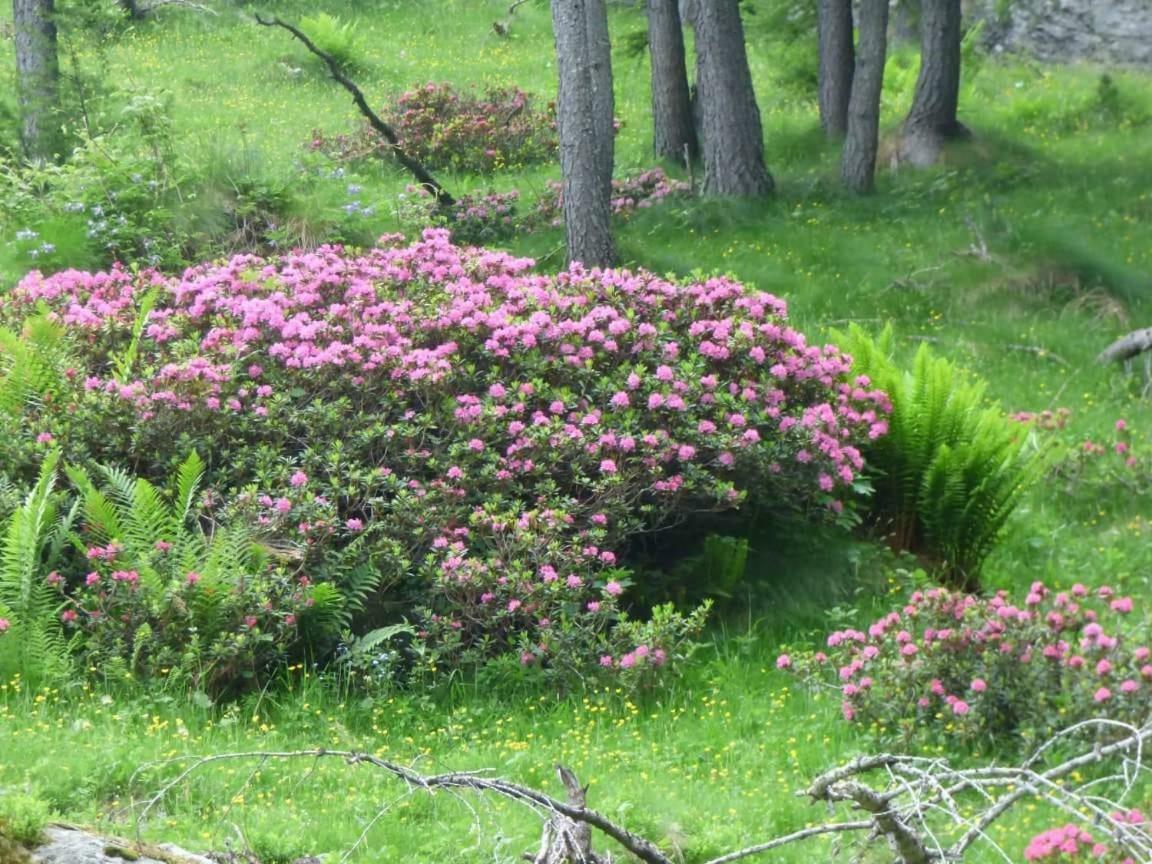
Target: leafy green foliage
951	469
175	595
32	642
339	39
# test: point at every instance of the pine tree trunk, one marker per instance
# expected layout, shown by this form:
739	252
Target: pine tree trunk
733	139
673	129
603	98
834	23
37	77
858	161
932	119
586	139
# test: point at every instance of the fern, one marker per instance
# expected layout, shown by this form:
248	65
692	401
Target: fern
35	645
951	469
31	364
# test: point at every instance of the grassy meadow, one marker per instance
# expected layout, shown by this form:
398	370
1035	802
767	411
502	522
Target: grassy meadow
1021	258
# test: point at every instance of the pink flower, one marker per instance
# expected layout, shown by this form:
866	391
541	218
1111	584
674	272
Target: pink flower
606	660
298	479
513	605
1129	686
91	579
1103	668
960	707
1121	425
192	578
574	581
250	622
628	661
1122	605
354	525
475	445
613	589
45	438
979	685
1102	695
608	466
4	625
68	616
593	606
783	662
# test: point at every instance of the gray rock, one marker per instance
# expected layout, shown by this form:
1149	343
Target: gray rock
73	846
1105	31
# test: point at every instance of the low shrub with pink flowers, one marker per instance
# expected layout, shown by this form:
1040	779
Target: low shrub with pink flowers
465	130
486	439
1008	672
1107	844
629	194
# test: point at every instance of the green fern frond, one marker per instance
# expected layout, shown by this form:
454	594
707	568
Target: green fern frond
35	639
951	469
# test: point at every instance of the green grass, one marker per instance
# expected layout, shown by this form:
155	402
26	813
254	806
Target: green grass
1021	257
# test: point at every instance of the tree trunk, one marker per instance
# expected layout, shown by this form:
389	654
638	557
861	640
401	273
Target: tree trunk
37	77
834	23
583	61
858	162
932	120
603	98
673	129
733	139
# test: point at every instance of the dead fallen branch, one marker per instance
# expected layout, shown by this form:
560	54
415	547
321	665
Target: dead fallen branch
925	809
1128	347
414	166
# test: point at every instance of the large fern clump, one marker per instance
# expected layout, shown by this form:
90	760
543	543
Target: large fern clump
952	467
32	643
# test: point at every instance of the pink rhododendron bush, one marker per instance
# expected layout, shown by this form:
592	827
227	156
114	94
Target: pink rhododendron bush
1071	843
1009	671
485	438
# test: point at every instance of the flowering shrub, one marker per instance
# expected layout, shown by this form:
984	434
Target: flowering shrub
462	419
1091	467
1070	843
474	219
158	597
458	130
494	216
953	665
629	194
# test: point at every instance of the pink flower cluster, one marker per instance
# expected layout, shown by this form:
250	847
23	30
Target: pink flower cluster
471	131
998	665
1070	843
629	194
470	397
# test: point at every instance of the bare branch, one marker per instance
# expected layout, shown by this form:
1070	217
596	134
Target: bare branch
1128	347
422	175
794	837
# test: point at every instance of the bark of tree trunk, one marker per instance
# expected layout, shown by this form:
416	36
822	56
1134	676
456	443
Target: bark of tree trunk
584	121
733	139
834	23
858	161
673	128
932	120
37	77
